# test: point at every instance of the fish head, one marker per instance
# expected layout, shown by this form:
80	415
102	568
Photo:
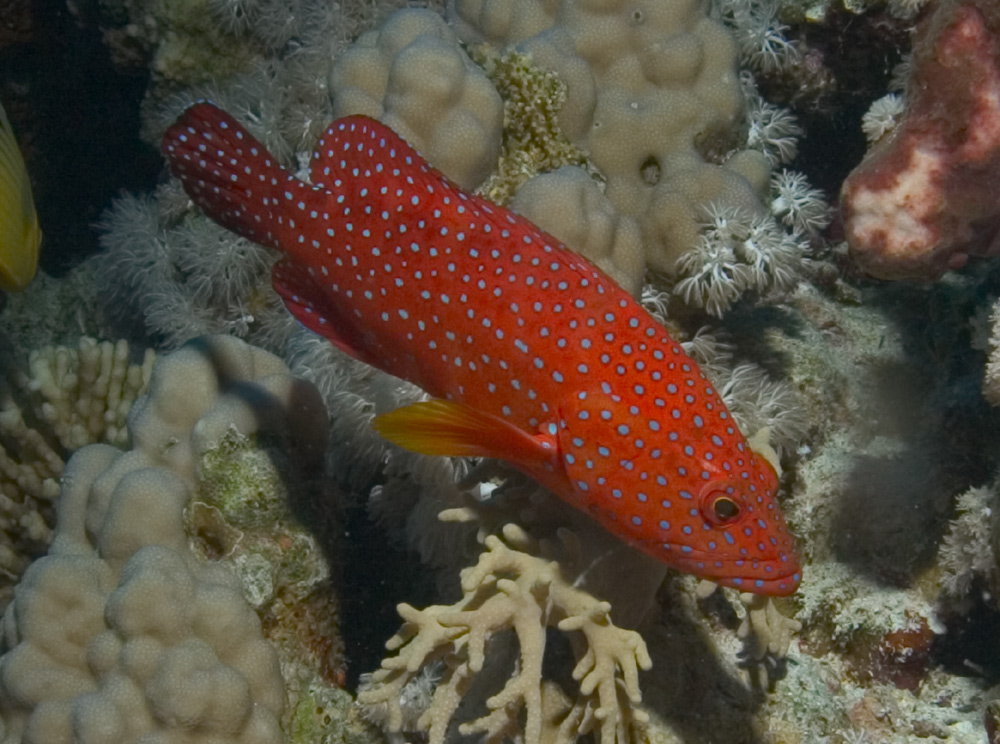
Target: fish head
743	542
696	497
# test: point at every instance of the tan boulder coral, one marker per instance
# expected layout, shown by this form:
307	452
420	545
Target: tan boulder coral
130	628
569	204
413	76
651	88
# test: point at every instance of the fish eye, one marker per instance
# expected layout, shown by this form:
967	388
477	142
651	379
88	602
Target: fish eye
721	508
725	509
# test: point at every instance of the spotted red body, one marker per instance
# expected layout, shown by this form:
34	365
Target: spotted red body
533	354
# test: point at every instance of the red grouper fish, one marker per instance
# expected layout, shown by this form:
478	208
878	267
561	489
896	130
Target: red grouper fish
532	354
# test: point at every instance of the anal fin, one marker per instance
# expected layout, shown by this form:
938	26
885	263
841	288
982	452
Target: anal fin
313	308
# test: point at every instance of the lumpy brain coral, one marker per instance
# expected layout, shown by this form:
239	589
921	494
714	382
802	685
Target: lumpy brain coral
412	75
652	97
122	633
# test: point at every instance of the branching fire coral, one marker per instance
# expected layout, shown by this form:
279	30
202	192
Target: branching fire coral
515	586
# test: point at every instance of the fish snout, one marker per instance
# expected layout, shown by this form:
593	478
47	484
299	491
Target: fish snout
756	553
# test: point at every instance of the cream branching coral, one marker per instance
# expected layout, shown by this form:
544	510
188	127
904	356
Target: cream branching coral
517	587
66	398
88	391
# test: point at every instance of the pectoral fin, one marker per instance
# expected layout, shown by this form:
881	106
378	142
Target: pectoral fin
441	427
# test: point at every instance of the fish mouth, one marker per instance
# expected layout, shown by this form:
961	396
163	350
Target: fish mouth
773	586
779	576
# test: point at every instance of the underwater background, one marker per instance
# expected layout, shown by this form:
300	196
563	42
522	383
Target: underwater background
203	538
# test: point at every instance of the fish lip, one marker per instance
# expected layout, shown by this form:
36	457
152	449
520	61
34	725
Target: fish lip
784	579
768	587
757	582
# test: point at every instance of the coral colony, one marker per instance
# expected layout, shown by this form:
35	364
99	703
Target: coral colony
538	304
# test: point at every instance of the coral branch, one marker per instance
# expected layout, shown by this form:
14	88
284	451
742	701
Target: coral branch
513	590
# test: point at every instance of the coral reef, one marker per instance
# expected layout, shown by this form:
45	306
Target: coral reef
123	630
179	277
797	205
413	76
759	33
923	200
570	205
991	377
249	511
967	552
741	251
882	117
649	88
181	42
737	251
868	396
872	507
533	142
66	398
52	312
510	590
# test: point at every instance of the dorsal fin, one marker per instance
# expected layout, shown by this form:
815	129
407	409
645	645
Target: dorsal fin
355	142
359	147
